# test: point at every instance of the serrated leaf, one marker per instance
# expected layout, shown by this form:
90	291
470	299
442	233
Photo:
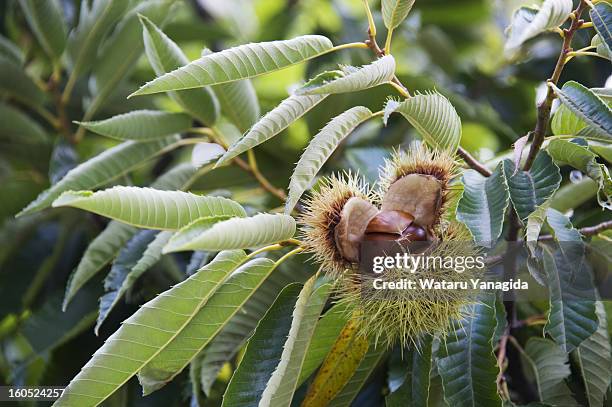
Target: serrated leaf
98	254
165	56
368	76
483	204
263	352
283	383
549	366
242	62
106	245
227	300
101	169
434	118
47	22
95	21
530	189
395	11
322	79
339	366
274	122
588	106
11	51
594	360
527	24
320	149
120	52
466	361
15	83
601	16
205	153
581	158
415	389
140	125
150	208
146	333
390	106
571	318
138	256
237	233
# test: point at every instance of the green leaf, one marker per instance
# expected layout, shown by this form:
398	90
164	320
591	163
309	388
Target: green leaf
352	388
530	189
239	103
140	125
101	169
46	20
16	126
395	11
275	121
15	83
594	360
98	254
588	106
549	366
415	389
150	208
236	233
244	61
434	118
600	47
165	56
483	204
95	22
122	50
466	361
325	335
283	383
368	76
565	123
320	149
263	352
146	334
527	24
228	299
11	51
581	158
601	16
139	255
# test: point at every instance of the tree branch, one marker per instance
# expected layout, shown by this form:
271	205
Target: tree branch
587	231
473	163
539	133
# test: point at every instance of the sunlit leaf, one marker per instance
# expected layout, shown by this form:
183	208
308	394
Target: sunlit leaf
483	204
146	333
148	207
237	233
101	169
46	20
435	119
378	72
241	62
320	149
601	16
275	121
165	56
239	103
395	11
140	125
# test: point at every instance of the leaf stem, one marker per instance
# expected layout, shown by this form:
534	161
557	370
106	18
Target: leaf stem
473	163
371	24
544	109
350	45
286	256
388	41
400	88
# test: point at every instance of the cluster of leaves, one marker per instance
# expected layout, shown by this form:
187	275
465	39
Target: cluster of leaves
232	296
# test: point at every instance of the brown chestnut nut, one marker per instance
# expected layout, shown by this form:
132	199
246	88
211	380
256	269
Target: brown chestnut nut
390	222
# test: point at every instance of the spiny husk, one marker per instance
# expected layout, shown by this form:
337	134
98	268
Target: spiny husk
322	213
403	316
419	159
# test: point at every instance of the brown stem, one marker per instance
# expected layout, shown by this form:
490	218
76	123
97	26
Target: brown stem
539	133
473	163
587	231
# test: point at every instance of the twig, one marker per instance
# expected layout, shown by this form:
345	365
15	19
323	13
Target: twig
586	231
545	107
473	162
279	193
502	388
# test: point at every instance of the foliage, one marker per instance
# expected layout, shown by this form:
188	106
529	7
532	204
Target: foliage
155	161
